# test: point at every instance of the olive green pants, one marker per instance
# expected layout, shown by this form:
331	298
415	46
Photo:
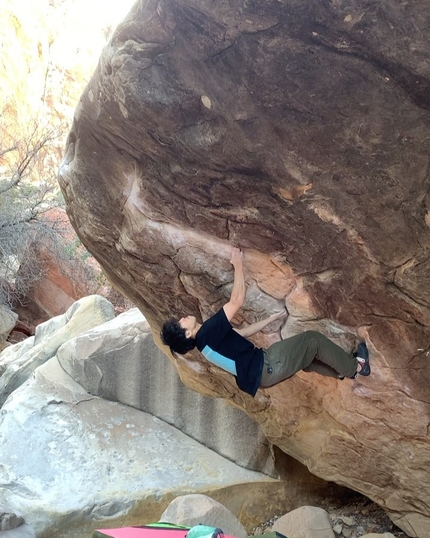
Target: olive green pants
310	351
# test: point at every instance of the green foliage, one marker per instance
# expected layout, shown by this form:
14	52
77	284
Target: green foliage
74	249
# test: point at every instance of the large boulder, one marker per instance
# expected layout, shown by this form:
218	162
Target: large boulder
72	462
300	132
18	364
118	361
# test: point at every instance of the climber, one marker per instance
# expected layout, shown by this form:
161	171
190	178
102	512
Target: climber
253	367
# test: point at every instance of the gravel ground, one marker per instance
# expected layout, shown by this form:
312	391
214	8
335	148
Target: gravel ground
359	517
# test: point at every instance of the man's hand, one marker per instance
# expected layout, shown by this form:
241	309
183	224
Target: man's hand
236	257
279	315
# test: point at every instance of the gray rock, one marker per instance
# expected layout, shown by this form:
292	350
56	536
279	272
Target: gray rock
7	321
23	531
119	361
81	316
190	510
12	523
14	353
71	460
9	520
337	528
305	522
375	535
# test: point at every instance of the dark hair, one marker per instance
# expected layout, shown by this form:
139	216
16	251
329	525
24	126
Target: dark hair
173	335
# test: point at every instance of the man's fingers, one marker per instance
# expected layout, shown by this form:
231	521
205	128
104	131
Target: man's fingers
236	254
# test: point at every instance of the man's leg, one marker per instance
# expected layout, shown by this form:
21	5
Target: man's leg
321	369
332	355
285	358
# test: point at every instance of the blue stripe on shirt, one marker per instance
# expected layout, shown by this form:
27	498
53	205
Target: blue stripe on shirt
219	360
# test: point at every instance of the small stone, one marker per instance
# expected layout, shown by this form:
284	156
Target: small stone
337	528
206	101
10	521
348	520
347	533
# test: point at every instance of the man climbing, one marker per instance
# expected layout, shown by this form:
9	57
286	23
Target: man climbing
254	367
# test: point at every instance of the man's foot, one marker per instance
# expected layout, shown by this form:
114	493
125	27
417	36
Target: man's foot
362	356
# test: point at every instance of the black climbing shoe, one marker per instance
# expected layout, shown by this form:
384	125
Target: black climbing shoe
363	353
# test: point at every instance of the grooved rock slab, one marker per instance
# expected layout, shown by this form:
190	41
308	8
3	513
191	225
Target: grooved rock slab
71	460
299	131
118	361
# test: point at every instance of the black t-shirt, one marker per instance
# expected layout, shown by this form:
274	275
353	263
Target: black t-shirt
223	346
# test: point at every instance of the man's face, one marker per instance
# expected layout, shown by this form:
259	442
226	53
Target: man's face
188	323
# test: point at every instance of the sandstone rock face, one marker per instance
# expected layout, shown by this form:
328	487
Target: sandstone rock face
300	132
57	289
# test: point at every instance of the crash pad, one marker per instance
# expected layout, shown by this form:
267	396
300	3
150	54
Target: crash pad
146	531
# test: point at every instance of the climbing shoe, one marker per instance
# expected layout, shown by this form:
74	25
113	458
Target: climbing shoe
362	355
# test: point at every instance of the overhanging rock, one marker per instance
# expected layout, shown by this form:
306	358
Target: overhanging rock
300	132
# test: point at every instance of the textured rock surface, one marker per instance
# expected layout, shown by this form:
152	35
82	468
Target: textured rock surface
299	131
71	460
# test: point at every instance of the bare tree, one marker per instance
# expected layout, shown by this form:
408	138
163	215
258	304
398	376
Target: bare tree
29	159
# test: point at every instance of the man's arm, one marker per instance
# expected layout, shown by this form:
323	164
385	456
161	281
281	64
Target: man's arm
239	286
259	325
